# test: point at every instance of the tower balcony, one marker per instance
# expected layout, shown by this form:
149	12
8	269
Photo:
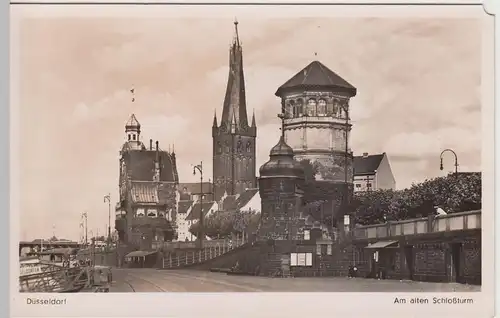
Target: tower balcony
318	120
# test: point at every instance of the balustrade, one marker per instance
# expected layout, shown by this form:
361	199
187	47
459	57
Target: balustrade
433	224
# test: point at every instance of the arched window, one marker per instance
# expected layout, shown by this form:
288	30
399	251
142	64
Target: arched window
329	109
238	146
129	137
219	147
311	107
133	137
226	146
336	108
249	147
289	109
321	107
299	111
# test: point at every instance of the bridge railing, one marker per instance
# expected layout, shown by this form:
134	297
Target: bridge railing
211	250
433	224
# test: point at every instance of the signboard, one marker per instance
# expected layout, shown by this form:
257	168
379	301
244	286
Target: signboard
30	269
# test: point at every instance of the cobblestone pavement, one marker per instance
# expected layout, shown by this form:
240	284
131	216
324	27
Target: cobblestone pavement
152	280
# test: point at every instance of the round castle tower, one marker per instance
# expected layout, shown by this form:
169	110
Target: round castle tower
317	125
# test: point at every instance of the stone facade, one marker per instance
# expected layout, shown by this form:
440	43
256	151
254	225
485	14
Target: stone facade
146	211
234	138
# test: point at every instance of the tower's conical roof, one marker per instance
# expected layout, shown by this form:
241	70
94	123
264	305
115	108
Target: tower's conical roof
317	76
281	162
132	123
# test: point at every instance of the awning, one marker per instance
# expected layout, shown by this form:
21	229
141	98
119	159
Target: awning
381	244
140	253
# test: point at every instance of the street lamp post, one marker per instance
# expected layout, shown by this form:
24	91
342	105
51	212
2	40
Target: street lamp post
456	159
84	215
108	199
200	232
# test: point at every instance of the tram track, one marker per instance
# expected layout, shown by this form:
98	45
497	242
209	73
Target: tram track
156	286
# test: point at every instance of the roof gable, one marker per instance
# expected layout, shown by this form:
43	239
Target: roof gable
184	206
317	75
196	210
245	197
141	165
364	165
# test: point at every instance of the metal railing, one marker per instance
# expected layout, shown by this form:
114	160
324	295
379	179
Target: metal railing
210	251
433	224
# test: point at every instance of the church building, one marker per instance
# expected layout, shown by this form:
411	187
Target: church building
233	137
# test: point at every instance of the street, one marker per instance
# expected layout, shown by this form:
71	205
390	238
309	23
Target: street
152	280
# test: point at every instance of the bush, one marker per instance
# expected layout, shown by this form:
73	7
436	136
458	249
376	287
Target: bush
453	193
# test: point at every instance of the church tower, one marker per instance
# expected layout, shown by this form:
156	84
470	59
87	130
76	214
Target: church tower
315	103
233	138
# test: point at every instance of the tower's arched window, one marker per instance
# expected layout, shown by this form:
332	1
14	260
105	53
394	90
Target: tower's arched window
219	147
249	147
133	137
289	111
311	107
336	108
299	111
238	146
129	137
329	109
226	146
322	107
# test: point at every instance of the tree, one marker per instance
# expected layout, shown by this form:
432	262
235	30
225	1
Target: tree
310	169
453	193
223	224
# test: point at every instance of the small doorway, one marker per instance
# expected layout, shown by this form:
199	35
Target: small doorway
454	259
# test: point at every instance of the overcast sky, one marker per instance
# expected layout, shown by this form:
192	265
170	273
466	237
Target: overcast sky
418	84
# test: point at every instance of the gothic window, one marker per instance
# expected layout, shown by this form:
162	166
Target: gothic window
226	144
299	108
311	107
219	147
321	107
249	147
239	146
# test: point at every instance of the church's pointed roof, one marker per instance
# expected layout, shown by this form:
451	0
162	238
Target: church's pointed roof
235	110
317	76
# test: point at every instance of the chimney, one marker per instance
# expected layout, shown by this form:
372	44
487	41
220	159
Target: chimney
365	154
157	145
150	144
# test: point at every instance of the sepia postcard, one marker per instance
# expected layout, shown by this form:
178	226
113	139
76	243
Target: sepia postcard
251	160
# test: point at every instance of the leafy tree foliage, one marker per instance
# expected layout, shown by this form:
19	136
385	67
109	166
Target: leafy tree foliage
223	224
453	193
